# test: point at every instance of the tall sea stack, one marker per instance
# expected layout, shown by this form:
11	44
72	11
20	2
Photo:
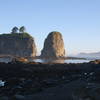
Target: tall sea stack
53	46
15	44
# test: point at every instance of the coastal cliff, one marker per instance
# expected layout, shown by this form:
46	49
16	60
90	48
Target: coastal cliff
17	44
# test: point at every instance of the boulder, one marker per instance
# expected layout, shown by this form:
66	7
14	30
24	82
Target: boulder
53	46
19	59
18	97
90	91
95	62
4	98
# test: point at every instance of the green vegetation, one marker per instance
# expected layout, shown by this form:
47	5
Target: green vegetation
17	32
22	29
22	35
14	30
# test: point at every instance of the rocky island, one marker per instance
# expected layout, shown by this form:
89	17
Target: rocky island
17	44
53	46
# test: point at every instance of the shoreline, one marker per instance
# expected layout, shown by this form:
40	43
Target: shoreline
38	59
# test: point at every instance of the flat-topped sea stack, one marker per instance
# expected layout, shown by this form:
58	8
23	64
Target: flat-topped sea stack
17	44
53	46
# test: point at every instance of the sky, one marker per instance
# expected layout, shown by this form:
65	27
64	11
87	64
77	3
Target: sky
77	20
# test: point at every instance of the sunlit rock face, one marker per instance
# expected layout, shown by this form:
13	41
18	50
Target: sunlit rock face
17	46
53	46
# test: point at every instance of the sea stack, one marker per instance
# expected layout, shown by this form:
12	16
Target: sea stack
53	46
18	45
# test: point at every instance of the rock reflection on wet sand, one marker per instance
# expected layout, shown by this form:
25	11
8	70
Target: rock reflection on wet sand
53	61
61	61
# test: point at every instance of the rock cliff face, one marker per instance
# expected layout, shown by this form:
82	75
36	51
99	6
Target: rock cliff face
53	46
21	45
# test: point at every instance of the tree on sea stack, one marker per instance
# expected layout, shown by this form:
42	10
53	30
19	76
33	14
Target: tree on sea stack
14	30
22	29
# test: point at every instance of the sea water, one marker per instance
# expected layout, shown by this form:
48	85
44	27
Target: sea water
62	61
2	83
6	60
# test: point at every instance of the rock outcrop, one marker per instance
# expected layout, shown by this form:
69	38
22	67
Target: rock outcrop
53	46
95	62
21	45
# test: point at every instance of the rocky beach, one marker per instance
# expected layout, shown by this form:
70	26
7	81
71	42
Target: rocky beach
22	77
49	50
37	81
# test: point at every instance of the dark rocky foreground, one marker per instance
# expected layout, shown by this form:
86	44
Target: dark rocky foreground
36	81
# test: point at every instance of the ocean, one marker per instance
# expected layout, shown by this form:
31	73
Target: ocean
6	60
